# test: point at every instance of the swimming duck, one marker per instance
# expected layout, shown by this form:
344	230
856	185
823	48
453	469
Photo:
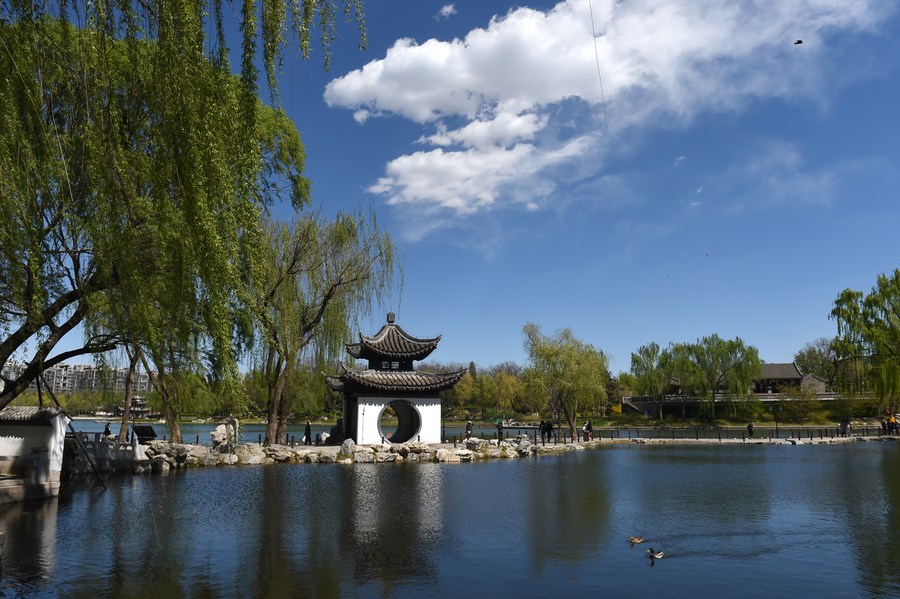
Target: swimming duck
655	554
635	540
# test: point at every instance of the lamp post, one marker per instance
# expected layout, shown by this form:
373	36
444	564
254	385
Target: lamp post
775	408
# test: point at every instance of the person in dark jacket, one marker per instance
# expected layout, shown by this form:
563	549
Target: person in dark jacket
307	433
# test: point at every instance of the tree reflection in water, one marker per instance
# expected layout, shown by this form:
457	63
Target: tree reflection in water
816	520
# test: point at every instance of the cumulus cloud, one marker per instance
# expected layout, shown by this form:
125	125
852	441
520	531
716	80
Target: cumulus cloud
447	11
491	103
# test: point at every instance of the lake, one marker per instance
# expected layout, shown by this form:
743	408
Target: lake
733	520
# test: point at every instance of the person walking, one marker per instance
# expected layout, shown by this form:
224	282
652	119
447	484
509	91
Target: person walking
750	430
307	433
469	429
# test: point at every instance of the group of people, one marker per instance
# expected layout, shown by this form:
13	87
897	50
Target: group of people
889	425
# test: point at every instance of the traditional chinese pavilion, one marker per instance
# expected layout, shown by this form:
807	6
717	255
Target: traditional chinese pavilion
391	381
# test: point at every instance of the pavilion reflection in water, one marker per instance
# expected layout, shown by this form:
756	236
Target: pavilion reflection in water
394	517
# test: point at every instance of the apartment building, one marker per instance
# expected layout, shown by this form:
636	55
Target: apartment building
69	378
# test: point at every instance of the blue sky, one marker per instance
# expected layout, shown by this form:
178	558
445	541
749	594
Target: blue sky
725	180
733	182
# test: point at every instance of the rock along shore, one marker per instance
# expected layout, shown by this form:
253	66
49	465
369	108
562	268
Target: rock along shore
163	456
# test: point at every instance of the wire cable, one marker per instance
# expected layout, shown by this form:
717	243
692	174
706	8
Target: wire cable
597	59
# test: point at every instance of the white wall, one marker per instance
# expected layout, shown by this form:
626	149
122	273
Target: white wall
24	439
369	412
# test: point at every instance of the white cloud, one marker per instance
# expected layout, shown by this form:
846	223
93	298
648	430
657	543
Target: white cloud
501	131
468	180
446	12
779	175
678	160
491	101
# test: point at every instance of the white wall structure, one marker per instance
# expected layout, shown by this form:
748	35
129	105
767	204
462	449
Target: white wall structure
419	419
31	452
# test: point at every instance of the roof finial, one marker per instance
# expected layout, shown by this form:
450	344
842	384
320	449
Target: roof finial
391	317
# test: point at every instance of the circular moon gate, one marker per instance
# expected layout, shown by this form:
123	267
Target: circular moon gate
409	422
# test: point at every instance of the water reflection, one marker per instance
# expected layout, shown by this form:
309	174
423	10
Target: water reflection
755	520
872	516
395	523
568	507
27	543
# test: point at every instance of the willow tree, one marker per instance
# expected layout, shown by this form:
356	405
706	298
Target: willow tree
565	371
868	339
129	154
649	378
321	275
723	366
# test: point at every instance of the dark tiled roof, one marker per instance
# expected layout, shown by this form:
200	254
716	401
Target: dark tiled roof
26	414
780	371
335	382
391	341
393	380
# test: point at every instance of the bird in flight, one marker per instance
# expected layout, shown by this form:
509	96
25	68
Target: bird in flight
798	42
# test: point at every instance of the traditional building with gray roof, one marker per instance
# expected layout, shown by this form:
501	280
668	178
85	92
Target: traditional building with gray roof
31	452
391	381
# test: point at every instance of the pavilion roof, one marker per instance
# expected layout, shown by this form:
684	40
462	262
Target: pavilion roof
393	380
392	342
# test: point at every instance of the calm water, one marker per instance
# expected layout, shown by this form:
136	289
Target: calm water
736	521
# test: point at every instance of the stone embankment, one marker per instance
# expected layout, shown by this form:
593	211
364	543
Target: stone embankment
162	456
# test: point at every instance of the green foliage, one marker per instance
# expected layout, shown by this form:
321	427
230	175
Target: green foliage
723	366
648	377
133	169
74	404
565	372
800	406
508	393
854	406
320	277
462	394
712	366
868	340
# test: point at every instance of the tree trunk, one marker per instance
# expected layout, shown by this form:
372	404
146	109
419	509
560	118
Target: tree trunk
171	415
129	379
284	406
570	416
275	383
283	410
